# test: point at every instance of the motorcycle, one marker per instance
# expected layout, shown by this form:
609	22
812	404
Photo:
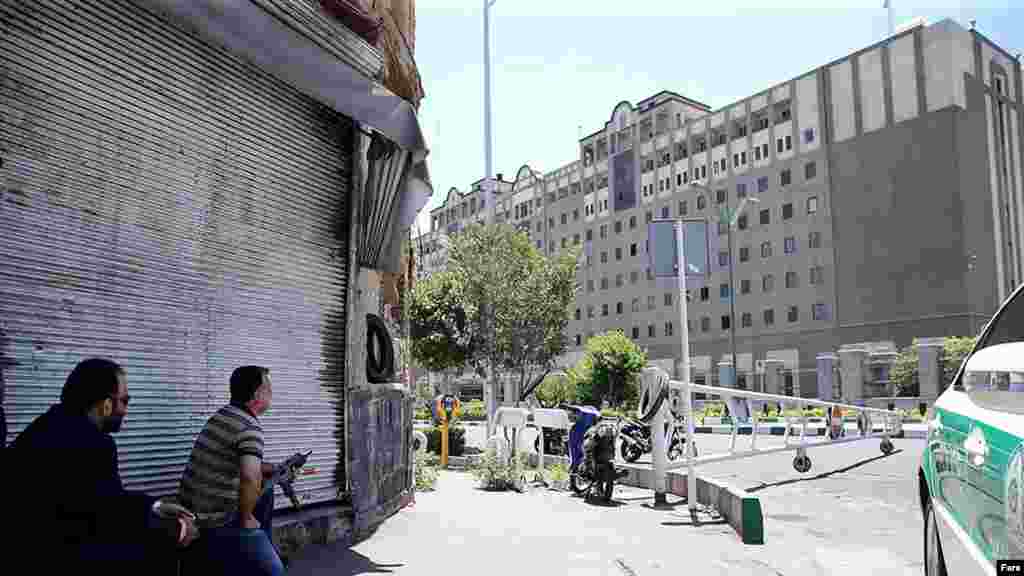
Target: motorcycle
592	453
637	440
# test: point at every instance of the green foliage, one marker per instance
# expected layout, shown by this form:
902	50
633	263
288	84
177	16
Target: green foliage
904	371
426	472
555	390
615	366
496	472
581	379
422	414
557	472
440	340
473	411
954	350
456	440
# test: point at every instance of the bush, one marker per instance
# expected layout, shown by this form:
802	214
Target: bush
497	473
426	472
473	411
558	472
456	440
422	414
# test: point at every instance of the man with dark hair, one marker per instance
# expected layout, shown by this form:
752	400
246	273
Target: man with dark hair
63	481
223	481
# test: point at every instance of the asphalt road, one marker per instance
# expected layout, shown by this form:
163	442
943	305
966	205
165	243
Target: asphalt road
855	512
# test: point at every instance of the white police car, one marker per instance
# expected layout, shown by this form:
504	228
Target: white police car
971	477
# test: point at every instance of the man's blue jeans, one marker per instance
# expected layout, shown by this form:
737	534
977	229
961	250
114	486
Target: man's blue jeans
236	550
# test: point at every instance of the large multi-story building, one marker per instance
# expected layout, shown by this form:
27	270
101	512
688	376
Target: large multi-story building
888	206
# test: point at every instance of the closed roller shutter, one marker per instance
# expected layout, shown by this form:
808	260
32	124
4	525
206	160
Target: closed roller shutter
167	205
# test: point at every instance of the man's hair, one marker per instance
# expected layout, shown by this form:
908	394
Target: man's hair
92	381
245	380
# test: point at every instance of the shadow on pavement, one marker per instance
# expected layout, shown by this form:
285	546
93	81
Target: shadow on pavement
336	560
823	474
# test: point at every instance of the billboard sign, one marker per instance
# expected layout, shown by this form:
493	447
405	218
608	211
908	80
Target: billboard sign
662	250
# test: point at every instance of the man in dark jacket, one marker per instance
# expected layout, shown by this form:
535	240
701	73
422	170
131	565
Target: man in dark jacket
62	478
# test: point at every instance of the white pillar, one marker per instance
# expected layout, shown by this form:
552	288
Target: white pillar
929	369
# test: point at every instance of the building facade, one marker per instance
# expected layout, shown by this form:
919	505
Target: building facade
888	205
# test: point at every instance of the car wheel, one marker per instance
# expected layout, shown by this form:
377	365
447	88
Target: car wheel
934	562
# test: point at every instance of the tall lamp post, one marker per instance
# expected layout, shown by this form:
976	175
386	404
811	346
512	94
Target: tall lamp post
488	159
733	219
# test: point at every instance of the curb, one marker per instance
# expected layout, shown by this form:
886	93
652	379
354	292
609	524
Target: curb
740	509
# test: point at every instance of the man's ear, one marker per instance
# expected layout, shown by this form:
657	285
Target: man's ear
107	408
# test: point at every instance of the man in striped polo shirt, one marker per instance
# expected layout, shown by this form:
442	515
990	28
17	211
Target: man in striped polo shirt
223	481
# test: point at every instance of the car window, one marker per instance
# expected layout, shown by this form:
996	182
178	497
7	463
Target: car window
1007	326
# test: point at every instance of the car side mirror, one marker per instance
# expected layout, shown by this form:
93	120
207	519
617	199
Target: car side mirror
994	377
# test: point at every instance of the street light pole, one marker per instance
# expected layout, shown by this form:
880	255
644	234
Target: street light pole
488	160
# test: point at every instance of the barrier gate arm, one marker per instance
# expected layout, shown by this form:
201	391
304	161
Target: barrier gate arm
891	425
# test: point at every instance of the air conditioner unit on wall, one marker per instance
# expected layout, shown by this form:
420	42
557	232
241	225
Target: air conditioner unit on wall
759	366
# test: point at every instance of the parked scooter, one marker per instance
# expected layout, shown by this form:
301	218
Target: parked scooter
592	454
637	440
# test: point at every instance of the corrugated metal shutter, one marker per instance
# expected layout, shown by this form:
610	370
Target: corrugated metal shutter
169	206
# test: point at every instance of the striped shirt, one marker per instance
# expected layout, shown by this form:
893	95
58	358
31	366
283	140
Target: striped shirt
209	485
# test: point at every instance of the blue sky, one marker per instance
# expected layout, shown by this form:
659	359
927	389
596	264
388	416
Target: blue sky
558	65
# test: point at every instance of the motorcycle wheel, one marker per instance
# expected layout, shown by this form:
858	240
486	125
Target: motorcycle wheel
630	452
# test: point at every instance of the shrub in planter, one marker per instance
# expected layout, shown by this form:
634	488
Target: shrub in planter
456	440
558	475
426	472
496	472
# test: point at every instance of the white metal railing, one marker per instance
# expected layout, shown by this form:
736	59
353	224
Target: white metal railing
891	421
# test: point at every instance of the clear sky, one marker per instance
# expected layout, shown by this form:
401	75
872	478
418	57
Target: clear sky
560	66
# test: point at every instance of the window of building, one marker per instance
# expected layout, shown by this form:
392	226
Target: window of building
817	274
779	143
745	286
767	283
668	298
650	331
604	309
814	240
551	222
787	211
539	226
539	244
652	302
578	314
723	258
757	153
565	242
618	226
741	222
766	217
603	231
589	235
604	283
618	253
682	208
808	135
762	184
632	222
604	256
590	285
704	294
723	290
812	205
735	160
701	202
579	339
785	177
633	249
723	227
791	279
668	328
650	274
769	317
635	305
590	311
575	214
789	143
819	312
789	244
744	253
810	170
720	196
575	238
618	307
705	324
764	150
565	219
746	320
649	216
633	276
726	322
619	280
703	172
741	190
793	314
636	332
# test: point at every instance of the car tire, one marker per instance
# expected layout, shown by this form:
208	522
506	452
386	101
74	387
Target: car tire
934	561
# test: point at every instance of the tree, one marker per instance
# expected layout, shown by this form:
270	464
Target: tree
515	302
616	363
441	341
954	350
555	390
904	371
